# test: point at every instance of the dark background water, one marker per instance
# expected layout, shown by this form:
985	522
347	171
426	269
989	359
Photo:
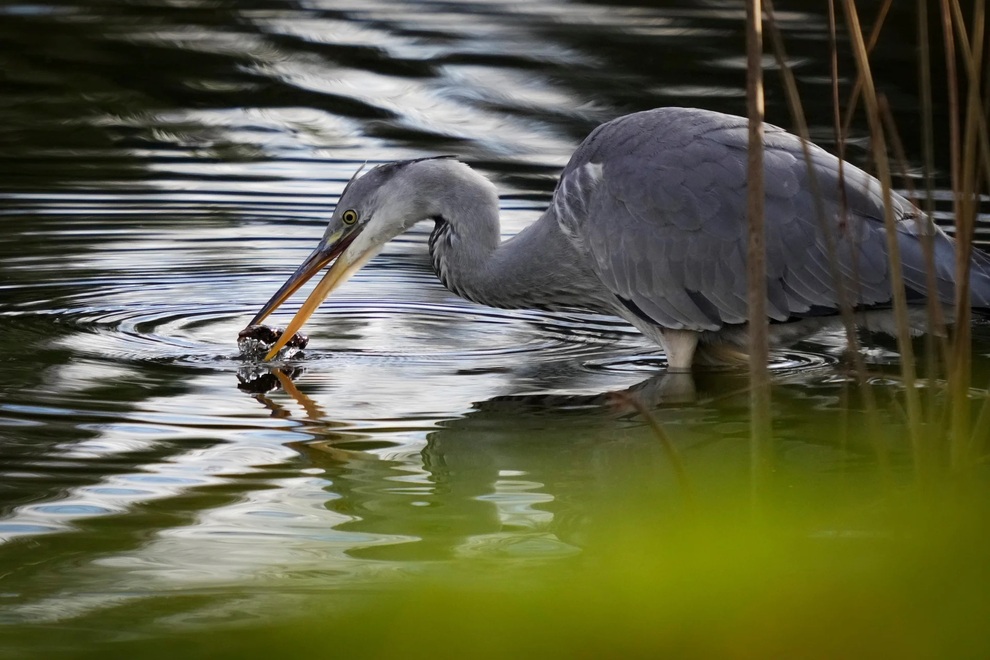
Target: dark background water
107	91
165	165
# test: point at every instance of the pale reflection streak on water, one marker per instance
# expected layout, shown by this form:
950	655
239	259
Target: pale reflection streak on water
175	183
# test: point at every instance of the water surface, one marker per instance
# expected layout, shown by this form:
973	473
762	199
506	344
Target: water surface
167	165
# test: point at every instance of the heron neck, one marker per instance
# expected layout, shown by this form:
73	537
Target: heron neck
536	269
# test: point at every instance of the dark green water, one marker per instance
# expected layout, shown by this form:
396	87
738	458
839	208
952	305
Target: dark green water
165	165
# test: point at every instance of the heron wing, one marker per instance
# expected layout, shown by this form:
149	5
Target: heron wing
657	200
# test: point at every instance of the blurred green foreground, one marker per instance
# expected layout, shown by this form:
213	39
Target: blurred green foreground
810	567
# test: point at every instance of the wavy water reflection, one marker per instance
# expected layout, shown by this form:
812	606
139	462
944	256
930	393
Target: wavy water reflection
166	166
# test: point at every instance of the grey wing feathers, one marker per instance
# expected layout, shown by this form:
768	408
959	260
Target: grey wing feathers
657	199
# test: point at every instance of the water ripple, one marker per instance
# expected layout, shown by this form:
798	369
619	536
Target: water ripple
167	164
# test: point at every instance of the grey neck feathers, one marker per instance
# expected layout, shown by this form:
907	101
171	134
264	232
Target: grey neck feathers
538	268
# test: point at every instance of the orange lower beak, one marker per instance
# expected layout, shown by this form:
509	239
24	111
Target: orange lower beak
320	257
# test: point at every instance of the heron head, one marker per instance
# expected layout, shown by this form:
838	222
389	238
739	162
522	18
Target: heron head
372	210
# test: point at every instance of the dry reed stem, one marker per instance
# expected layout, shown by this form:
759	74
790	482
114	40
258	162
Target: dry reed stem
936	340
759	351
845	305
934	306
912	403
981	429
936	320
965	193
973	57
857	89
959	362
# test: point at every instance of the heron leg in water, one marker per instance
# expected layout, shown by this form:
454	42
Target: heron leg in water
679	345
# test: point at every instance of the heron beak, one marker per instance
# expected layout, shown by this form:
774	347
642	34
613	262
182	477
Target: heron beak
348	262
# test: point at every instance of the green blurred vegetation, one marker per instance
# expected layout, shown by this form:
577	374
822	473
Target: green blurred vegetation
887	559
900	574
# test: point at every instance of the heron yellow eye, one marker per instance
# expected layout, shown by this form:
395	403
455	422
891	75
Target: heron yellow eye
349	217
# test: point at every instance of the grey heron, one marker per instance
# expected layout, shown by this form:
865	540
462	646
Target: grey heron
648	222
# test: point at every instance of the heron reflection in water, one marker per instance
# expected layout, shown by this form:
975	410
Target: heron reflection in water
648	222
